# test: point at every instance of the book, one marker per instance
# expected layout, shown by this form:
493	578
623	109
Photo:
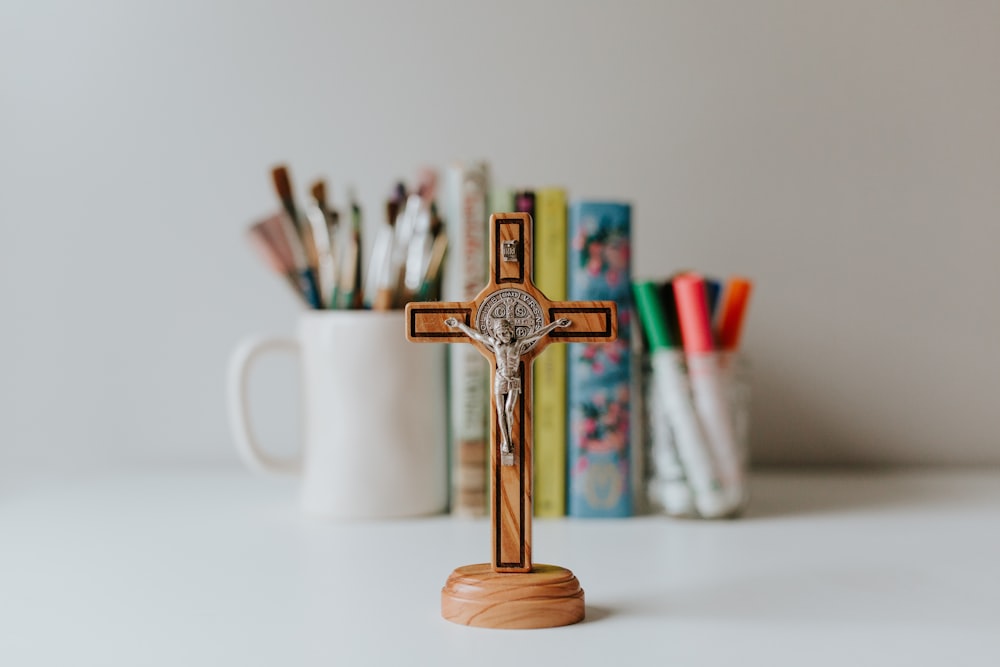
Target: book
501	200
599	376
550	366
524	202
465	206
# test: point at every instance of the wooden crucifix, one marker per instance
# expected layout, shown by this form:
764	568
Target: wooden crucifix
510	322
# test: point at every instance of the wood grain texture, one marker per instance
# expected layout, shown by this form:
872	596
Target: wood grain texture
549	596
511	508
590	322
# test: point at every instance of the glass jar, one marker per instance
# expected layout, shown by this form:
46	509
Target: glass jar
696	433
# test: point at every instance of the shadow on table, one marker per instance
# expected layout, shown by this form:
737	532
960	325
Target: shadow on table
595	614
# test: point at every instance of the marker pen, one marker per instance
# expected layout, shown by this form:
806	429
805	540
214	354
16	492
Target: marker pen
730	325
713	288
708	387
692	449
733	312
667	483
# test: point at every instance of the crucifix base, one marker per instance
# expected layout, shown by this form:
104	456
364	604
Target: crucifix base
549	596
510	322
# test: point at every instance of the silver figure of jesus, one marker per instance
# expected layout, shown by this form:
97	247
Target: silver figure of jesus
508	350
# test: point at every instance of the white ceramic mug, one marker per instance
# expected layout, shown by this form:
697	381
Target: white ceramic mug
373	410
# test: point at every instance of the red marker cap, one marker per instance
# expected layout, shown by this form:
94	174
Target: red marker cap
692	311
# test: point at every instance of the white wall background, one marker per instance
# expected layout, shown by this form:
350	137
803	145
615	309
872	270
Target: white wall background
844	154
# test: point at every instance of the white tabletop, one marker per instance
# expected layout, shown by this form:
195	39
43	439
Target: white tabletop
187	567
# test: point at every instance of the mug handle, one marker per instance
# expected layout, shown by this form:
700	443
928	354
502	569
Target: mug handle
242	359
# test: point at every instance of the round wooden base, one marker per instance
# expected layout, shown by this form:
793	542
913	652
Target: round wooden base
546	597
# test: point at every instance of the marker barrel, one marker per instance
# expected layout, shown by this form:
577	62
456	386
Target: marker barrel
693	449
688	475
713	405
668	490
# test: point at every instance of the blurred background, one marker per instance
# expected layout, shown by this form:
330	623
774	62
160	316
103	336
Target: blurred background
845	155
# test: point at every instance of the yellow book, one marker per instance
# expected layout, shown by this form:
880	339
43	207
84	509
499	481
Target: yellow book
550	366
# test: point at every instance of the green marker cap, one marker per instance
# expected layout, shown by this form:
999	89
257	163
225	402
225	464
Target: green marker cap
647	303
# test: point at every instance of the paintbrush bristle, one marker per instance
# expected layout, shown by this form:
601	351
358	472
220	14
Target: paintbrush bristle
391	211
352	197
270	240
277	233
283	187
400	191
262	239
318	191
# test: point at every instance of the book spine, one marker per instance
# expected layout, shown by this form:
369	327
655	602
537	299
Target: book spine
550	366
501	200
465	193
524	202
600	376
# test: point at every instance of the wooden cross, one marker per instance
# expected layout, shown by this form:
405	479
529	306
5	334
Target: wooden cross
511	295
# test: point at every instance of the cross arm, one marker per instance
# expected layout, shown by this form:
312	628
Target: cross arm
425	321
590	321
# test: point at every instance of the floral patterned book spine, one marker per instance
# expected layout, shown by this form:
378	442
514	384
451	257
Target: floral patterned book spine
599	382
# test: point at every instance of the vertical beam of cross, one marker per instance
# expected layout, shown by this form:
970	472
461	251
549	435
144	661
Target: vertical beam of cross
511	295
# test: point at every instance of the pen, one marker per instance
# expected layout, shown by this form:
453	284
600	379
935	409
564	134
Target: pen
671	386
712	290
731	320
733	312
707	385
668	303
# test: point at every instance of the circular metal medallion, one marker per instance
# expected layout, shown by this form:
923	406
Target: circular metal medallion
520	308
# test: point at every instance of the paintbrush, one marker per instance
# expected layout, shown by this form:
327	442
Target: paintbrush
303	237
381	284
431	284
268	239
324	241
306	279
418	250
318	191
350	267
333	232
282	181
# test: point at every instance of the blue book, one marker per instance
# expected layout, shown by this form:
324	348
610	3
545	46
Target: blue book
599	375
